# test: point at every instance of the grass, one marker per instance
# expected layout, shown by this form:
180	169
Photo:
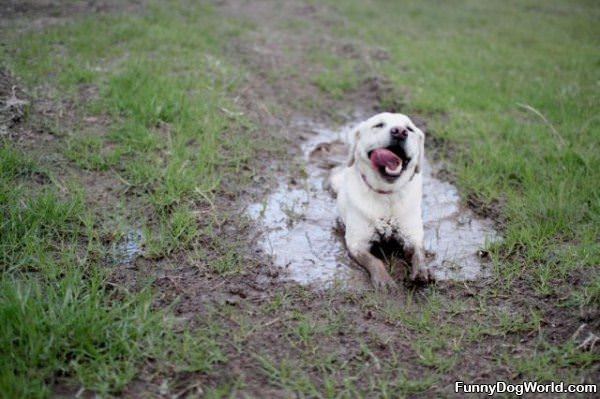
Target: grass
527	99
510	91
168	131
470	67
516	82
168	140
60	318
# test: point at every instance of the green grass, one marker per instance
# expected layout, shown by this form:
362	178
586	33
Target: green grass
61	320
170	135
475	69
171	143
170	138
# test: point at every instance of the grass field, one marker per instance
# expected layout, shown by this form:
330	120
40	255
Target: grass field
163	118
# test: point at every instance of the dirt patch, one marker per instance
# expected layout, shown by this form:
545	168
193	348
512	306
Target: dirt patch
284	73
39	14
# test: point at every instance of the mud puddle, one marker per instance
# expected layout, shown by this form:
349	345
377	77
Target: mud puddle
129	248
299	231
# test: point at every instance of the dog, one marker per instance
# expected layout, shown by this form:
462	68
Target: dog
379	192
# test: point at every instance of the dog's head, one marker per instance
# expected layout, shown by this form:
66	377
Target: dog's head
388	150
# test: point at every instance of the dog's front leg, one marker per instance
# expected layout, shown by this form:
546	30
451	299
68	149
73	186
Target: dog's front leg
419	270
359	251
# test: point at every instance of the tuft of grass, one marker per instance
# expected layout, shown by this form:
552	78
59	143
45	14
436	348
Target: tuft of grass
550	360
34	229
88	152
176	230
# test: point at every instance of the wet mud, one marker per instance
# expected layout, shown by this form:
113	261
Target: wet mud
125	251
299	230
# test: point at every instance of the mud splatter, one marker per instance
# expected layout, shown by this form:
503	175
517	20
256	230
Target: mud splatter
298	222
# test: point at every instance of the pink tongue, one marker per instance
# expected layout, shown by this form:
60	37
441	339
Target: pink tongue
382	157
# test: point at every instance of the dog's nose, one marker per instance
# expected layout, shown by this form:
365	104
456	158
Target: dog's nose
399	133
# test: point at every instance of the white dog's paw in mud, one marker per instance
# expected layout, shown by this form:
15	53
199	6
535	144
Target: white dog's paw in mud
421	274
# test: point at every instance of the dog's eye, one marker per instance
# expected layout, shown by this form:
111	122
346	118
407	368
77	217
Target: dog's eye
379	125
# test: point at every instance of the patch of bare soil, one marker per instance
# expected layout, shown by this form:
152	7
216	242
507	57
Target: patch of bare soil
38	14
283	71
38	126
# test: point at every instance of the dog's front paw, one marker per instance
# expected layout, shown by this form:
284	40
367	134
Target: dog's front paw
422	274
383	282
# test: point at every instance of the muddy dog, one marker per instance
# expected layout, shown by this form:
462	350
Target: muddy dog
379	193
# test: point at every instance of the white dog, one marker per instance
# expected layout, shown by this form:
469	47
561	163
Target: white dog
379	193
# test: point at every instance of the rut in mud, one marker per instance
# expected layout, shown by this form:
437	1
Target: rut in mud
300	232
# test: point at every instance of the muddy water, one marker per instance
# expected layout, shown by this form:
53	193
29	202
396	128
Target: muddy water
298	222
129	248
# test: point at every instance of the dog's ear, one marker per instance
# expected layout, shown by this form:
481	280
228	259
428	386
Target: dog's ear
353	137
420	164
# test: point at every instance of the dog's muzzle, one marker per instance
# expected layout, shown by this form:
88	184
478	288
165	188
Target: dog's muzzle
391	161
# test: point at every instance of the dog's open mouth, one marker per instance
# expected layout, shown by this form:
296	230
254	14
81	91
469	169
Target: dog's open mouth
389	161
